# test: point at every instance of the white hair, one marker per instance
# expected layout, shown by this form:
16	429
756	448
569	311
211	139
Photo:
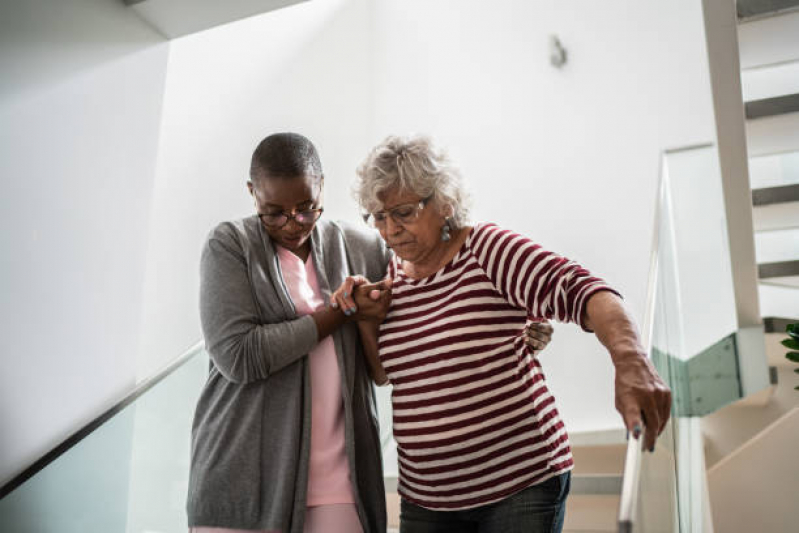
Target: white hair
412	164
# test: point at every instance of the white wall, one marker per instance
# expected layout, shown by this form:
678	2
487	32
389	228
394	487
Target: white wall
568	157
305	68
80	99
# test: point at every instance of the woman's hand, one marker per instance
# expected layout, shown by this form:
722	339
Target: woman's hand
538	334
641	396
372	301
361	300
342	297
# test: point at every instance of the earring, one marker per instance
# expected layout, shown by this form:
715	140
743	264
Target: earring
445	230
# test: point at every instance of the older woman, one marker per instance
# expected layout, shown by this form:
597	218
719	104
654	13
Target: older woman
481	444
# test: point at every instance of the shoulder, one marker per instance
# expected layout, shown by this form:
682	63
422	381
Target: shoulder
488	234
357	240
364	246
352	235
234	235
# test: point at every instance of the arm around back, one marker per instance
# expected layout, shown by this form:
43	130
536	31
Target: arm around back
240	344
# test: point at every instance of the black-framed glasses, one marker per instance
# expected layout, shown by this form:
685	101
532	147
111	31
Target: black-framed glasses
402	214
306	217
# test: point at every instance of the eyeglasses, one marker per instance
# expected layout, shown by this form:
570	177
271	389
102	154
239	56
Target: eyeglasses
402	214
278	220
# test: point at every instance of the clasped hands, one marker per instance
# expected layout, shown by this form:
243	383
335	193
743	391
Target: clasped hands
361	300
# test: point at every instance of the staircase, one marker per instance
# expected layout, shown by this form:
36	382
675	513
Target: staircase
745	443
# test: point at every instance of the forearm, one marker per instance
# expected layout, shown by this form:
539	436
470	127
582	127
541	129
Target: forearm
369	333
641	396
328	320
615	328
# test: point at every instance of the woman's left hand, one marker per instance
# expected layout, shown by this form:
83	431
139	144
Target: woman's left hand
344	297
538	334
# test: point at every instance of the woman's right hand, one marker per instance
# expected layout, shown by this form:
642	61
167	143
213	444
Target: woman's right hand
343	297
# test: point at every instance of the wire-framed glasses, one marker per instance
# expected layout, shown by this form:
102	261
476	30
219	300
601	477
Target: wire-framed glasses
306	217
402	214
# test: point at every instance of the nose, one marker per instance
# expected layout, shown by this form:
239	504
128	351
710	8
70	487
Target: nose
392	228
292	222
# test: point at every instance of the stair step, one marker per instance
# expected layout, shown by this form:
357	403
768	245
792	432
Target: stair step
775	195
778	301
773	246
771	135
773	324
591	513
768	41
767	107
776	216
774	170
768	81
748	9
596	484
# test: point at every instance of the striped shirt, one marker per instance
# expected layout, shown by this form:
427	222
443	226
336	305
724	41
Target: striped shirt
473	418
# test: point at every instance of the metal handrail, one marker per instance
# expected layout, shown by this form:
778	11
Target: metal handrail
98	421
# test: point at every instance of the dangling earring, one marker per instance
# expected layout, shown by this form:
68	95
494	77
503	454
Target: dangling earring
445	230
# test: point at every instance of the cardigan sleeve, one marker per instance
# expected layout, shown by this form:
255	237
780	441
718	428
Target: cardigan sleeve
546	284
242	347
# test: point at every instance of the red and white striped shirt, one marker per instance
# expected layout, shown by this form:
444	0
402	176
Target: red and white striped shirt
473	418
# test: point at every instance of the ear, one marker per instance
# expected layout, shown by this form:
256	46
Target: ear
250	188
447	211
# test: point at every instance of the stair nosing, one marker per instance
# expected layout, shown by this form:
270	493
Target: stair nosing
780	194
774	106
778	269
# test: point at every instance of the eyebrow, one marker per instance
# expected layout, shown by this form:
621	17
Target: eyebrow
276	206
387	209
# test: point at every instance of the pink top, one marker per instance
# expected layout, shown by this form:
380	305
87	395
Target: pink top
329	472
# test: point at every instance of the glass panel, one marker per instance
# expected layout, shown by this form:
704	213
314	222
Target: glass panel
693	342
698	253
774	170
131	474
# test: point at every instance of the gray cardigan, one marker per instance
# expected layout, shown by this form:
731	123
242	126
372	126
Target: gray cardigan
251	432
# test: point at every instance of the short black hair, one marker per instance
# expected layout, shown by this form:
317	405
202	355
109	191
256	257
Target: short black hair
285	155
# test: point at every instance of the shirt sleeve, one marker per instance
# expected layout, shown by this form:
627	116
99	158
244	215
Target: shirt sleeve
546	284
242	347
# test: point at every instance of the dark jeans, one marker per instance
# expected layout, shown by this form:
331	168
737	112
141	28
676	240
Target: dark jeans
536	509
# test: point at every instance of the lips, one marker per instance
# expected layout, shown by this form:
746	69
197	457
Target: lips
292	238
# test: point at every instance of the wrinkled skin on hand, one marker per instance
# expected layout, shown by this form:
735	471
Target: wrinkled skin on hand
361	300
642	399
538	334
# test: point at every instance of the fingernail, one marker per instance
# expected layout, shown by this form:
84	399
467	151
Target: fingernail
346	294
334	305
652	449
353	309
347	312
637	431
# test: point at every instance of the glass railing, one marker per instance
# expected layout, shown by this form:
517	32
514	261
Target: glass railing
691	333
127	471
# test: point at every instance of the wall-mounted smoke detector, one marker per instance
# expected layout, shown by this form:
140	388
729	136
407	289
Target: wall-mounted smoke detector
557	54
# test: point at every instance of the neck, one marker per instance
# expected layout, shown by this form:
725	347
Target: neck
438	256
